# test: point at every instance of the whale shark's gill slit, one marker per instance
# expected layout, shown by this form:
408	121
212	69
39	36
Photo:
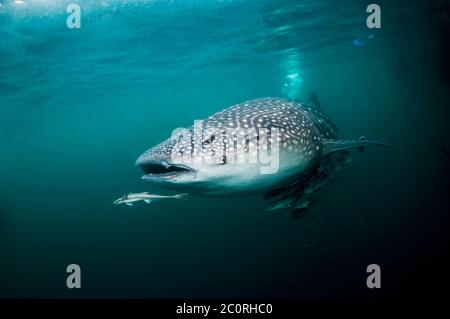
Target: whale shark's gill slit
152	168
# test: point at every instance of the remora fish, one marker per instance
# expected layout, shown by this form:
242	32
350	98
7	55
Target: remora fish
307	141
146	197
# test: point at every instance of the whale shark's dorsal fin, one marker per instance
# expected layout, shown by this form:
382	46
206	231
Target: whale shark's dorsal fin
330	146
314	100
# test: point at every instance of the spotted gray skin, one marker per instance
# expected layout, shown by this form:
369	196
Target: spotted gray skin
305	136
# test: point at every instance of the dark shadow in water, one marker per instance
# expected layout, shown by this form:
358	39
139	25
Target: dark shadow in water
443	151
3	220
5	224
440	11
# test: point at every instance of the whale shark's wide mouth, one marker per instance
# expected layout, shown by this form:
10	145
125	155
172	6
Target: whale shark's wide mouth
163	170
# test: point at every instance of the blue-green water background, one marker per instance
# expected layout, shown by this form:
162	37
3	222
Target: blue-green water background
78	106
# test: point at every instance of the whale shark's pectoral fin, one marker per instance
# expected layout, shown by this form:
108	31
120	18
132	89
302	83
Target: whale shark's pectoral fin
148	201
129	204
330	146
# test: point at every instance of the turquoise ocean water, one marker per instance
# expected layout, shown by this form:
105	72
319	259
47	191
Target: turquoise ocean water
78	106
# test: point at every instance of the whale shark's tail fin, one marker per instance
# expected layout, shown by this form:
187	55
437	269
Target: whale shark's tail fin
331	146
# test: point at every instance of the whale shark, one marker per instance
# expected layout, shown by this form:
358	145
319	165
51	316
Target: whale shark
282	149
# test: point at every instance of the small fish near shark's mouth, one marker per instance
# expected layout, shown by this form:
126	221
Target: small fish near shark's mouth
163	169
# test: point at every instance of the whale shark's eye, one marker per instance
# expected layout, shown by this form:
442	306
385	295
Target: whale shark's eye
224	160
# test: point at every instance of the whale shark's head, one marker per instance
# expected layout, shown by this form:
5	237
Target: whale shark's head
213	170
160	167
201	177
249	147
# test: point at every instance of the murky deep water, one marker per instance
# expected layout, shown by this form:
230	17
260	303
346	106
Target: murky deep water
78	106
